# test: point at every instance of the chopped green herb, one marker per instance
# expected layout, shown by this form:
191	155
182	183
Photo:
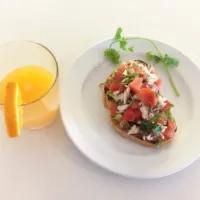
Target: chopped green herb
168	113
126	81
126	126
110	94
158	144
146	126
156	117
136	75
104	83
114	56
114	72
157	94
117	117
114	81
132	101
158	129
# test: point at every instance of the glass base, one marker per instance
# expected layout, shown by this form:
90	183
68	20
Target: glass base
44	125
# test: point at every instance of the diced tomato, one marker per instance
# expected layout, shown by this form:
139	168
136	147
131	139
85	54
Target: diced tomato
158	83
135	105
167	105
147	96
136	84
113	109
170	130
122	88
138	115
132	115
145	85
114	86
129	115
122	67
141	73
118	76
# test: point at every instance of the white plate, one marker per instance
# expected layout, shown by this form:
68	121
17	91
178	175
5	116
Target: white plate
87	121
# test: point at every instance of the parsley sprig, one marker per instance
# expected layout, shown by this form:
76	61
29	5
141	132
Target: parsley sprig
114	56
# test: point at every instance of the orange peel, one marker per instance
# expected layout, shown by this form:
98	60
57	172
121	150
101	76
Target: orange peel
13	109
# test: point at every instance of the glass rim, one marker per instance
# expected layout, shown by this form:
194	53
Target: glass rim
56	65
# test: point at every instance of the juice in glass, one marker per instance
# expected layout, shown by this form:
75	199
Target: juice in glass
35	70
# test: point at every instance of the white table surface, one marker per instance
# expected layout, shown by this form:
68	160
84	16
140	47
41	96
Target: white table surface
45	165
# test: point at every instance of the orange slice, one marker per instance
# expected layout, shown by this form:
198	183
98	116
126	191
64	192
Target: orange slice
12	110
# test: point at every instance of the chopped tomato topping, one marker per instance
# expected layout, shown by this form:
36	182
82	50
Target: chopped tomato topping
145	85
158	83
136	84
113	109
138	115
118	76
170	130
122	67
167	105
129	115
132	115
135	105
141	73
114	87
147	96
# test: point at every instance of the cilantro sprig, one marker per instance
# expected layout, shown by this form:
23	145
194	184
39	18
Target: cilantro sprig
114	56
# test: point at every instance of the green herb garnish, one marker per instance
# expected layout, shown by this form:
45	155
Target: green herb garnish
132	101
168	113
117	117
158	144
157	130
148	126
110	94
167	61
126	126
126	81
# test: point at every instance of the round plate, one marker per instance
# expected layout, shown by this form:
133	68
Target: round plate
87	121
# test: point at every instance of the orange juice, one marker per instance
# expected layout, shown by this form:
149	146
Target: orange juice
35	83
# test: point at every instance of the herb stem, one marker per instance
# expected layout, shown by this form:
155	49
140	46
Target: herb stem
171	81
140	38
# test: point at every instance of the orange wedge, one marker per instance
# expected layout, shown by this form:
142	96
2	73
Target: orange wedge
12	110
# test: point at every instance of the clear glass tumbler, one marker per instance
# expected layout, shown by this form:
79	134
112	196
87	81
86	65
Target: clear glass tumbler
35	69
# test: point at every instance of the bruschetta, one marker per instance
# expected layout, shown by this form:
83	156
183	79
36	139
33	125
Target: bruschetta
137	109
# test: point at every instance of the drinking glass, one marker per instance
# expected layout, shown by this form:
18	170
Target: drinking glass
14	56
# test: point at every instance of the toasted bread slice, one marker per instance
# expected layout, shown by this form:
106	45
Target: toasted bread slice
124	132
